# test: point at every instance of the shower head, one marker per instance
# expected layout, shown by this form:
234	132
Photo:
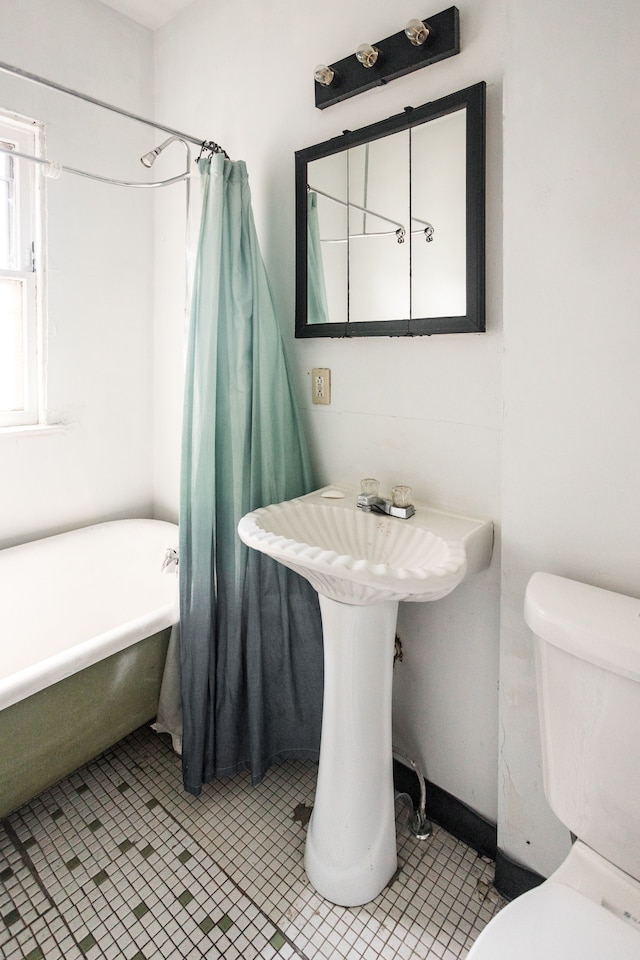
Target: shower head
149	158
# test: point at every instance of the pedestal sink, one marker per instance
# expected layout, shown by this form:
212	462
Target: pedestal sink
361	564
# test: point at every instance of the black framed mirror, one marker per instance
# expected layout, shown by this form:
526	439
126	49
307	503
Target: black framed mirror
390	225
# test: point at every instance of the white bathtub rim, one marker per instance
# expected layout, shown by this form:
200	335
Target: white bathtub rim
160	612
44	674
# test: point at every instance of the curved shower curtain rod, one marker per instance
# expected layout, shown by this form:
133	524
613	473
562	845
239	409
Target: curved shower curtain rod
54	168
34	78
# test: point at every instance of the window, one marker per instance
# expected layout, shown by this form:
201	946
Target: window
20	270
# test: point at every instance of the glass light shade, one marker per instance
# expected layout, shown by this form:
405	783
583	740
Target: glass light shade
367	55
323	75
417	32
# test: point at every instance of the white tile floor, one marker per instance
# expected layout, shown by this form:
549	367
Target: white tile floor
117	861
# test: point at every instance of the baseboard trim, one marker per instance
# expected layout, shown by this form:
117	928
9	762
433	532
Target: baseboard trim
512	879
443	808
466	824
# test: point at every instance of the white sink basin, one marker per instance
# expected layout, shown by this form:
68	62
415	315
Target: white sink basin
361	564
357	557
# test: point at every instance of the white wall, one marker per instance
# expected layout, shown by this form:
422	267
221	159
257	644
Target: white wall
424	411
429	411
571	498
100	272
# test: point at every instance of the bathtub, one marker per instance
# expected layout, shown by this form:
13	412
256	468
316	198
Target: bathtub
85	619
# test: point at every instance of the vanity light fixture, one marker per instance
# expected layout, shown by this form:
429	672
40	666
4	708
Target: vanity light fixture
388	59
323	75
417	31
367	55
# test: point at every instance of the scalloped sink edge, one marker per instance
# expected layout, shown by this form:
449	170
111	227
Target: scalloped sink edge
360	558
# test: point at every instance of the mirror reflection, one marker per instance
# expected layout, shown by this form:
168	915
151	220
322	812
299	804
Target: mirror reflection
390	232
438	274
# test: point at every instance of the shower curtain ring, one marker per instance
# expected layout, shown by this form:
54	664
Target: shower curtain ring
210	147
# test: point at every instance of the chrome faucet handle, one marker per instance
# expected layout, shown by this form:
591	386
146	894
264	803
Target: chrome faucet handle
401	505
367	501
398	506
369	494
403	513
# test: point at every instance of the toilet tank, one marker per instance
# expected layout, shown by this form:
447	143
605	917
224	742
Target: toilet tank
587	649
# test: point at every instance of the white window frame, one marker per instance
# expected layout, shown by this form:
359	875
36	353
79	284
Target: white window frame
26	262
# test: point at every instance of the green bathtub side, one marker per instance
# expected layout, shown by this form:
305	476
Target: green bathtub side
52	733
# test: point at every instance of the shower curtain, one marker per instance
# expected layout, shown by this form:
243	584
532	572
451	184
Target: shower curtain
250	631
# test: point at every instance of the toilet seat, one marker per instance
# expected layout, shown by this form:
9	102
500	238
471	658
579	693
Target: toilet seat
555	922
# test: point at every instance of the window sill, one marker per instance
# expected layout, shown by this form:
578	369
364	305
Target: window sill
34	429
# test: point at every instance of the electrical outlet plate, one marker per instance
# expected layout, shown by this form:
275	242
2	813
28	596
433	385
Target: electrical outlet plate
321	385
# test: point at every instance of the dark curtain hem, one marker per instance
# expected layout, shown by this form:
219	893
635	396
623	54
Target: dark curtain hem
282	756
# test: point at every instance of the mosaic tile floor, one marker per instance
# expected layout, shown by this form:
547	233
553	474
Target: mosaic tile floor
117	861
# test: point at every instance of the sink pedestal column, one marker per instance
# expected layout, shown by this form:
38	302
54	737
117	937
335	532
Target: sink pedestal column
350	852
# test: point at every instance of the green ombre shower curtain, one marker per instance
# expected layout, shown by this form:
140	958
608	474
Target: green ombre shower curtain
250	632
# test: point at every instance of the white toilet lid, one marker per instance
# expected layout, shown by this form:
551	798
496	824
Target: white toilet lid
555	922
